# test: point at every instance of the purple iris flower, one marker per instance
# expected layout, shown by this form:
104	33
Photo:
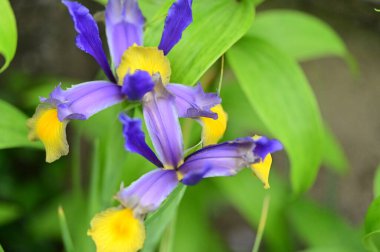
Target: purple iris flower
161	117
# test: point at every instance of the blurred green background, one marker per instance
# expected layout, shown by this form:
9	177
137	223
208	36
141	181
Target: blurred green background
220	214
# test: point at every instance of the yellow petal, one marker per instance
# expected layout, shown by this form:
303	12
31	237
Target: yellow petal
262	170
213	130
117	230
149	59
45	126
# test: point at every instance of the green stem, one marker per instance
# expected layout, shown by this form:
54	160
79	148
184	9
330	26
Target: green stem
263	220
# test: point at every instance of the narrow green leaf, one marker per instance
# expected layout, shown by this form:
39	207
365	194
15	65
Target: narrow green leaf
157	222
8	33
216	27
66	236
372	226
13	129
376	183
8	212
1	248
300	35
279	92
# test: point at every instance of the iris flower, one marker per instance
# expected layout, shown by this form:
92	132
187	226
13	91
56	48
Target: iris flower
111	230
138	71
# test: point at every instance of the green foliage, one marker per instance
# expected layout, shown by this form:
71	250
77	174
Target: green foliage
372	226
66	236
8	212
279	92
8	33
216	27
376	186
13	129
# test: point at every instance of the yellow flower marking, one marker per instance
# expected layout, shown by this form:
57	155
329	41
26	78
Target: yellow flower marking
45	126
149	59
117	230
262	170
213	130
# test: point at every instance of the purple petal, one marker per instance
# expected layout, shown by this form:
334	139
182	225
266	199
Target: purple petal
88	39
264	146
193	101
161	119
223	159
148	192
136	85
83	100
135	139
124	27
179	17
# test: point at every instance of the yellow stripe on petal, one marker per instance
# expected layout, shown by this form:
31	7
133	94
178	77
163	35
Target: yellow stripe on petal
45	126
149	59
262	170
117	230
213	130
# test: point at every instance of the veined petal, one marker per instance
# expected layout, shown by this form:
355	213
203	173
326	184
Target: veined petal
224	159
193	102
116	230
124	27
84	100
178	19
213	129
161	119
45	126
136	85
135	139
88	39
148	192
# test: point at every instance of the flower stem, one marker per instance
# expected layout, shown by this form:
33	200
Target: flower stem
263	220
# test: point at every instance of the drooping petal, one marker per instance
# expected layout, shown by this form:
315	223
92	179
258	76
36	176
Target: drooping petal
45	126
161	119
135	139
265	146
88	39
148	192
224	159
117	230
148	59
84	100
136	85
193	102
178	19
124	27
213	129
262	169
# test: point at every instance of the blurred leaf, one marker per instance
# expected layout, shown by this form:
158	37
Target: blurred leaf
376	186
333	155
104	2
66	236
257	2
1	248
216	27
279	92
8	212
8	33
13	129
372	226
157	222
319	227
301	35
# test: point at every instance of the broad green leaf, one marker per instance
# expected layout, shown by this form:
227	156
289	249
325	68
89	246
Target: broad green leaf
8	33
300	35
376	183
13	129
156	223
8	212
279	92
320	227
216	27
372	226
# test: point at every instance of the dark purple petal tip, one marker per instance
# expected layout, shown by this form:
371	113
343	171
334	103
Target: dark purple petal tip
136	85
265	146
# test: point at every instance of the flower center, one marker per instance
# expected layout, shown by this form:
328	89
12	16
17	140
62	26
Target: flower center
149	59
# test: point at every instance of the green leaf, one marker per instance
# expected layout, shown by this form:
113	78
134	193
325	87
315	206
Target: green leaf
13	129
8	33
1	248
66	236
279	92
216	27
300	35
8	213
376	183
372	226
157	222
